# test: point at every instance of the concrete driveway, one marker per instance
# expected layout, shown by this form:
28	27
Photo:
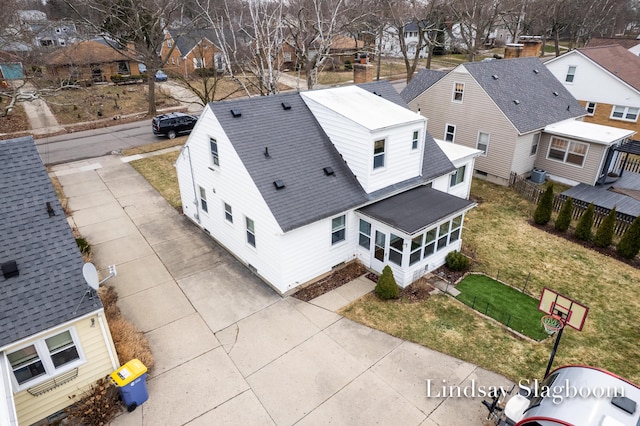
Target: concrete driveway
228	349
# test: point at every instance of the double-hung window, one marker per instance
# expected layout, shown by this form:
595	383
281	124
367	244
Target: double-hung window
203	200
571	74
456	226
378	154
251	231
44	358
228	213
395	249
591	108
458	176
364	238
414	140
569	152
449	133
416	249
443	235
458	92
429	242
483	142
215	158
534	143
625	113
338	229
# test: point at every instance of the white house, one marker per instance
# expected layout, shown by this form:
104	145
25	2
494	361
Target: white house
297	184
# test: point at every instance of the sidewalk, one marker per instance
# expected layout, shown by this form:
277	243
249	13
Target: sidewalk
228	349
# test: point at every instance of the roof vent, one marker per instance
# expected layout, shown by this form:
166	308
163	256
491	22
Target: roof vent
556	94
266	152
286	106
495	77
536	71
517	102
50	210
236	113
278	184
10	269
328	171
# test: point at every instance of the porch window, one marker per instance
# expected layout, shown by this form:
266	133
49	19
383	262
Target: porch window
45	357
378	154
443	235
395	249
458	91
228	213
414	140
591	108
215	157
483	142
567	151
449	133
365	234
251	231
429	242
625	113
456	225
123	67
203	199
534	143
378	253
458	176
571	74
416	249
338	229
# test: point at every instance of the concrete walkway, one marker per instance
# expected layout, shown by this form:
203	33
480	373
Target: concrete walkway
41	119
229	350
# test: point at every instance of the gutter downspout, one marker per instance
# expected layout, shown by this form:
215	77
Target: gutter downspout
114	364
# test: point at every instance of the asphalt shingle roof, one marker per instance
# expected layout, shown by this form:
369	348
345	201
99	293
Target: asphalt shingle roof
421	82
618	61
186	42
532	85
50	285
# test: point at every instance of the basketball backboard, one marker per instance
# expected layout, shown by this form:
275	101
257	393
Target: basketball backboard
572	313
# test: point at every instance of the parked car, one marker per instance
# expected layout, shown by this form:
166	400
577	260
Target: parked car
161	76
173	124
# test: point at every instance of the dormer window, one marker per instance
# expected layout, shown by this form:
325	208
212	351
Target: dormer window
458	91
378	154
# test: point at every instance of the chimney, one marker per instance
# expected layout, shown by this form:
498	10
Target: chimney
513	50
532	46
362	73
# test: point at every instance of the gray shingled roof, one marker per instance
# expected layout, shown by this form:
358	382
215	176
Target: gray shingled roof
416	209
384	89
299	150
50	285
186	42
532	85
421	82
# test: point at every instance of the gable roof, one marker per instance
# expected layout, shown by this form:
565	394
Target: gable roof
298	151
50	285
528	94
627	43
618	61
421	82
185	43
85	52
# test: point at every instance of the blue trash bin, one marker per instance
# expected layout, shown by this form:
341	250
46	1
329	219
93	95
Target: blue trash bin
131	380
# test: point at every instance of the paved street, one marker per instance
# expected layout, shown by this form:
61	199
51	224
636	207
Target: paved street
228	349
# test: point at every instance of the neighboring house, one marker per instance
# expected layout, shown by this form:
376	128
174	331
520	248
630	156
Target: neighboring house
390	43
191	51
89	61
45	33
606	80
356	177
630	43
344	48
503	107
54	338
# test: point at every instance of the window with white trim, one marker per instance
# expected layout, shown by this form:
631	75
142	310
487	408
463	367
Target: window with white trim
414	140
45	358
203	199
395	249
228	213
483	142
449	133
416	249
443	235
591	108
534	143
458	92
169	43
569	152
251	231
571	74
378	154
338	229
364	238
624	113
457	177
456	227
215	157
429	242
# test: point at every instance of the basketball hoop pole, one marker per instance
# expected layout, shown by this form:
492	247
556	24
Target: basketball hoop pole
553	351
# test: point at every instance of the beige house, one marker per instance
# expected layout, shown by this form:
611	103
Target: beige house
54	338
511	110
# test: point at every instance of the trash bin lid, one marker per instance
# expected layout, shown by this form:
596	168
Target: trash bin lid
128	373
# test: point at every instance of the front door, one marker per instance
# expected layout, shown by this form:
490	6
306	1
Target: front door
379	255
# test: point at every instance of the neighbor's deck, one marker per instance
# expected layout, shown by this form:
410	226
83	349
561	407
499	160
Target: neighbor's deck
603	196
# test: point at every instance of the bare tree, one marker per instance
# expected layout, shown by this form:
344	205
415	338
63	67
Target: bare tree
474	19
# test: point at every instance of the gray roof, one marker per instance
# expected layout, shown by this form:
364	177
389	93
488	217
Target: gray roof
541	98
186	42
298	151
385	90
50	285
435	162
421	82
416	209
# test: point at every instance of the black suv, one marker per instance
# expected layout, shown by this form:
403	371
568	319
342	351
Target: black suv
173	124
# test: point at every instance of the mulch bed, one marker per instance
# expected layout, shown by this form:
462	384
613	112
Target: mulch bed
337	278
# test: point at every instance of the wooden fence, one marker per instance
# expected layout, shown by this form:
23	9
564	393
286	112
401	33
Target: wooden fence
532	192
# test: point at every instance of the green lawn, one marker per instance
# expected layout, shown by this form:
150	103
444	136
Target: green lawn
509	306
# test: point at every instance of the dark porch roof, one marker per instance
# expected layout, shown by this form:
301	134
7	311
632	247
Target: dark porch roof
416	209
630	147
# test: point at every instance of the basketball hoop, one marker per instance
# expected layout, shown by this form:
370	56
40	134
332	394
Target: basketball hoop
552	324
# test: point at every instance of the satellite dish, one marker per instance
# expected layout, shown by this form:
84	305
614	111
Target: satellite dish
90	275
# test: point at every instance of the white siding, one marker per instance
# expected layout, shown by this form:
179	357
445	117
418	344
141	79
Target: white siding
355	143
591	82
234	186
